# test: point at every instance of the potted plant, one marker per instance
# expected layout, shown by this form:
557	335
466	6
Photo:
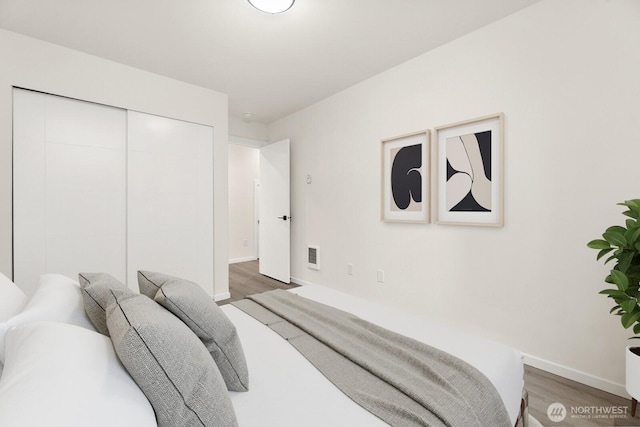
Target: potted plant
622	244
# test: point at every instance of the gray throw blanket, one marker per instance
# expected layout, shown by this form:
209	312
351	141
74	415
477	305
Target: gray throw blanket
402	381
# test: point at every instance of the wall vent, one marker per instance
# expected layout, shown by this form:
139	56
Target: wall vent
313	257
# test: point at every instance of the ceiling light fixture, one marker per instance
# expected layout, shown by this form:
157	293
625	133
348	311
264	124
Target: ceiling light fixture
272	6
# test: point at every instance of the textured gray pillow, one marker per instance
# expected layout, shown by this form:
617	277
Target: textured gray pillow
96	293
191	304
169	364
149	282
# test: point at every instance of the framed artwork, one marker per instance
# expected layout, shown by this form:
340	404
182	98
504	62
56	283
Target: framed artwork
470	177
405	178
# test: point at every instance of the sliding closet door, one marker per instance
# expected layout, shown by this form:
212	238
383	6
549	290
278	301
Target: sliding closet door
170	198
69	187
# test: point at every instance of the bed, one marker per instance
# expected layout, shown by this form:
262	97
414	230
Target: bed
59	371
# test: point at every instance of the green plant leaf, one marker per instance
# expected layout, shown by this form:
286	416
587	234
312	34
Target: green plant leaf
630	223
629	319
603	252
630	305
636	328
624	261
631	235
634	208
615	307
620	279
633	204
615	237
616	294
633	273
610	258
599	244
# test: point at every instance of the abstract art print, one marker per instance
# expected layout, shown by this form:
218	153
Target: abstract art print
470	173
405	178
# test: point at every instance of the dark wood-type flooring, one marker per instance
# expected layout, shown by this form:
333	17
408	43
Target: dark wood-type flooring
244	279
544	388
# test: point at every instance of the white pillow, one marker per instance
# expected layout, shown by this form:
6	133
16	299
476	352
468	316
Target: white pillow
57	298
60	375
12	299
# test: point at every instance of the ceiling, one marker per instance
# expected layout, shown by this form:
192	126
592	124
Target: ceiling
269	65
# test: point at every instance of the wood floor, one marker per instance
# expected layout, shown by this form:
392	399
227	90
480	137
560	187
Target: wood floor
590	406
244	279
585	406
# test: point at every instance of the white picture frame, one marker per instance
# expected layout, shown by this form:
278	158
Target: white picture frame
470	172
406	170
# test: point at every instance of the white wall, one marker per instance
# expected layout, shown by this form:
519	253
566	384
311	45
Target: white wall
565	74
37	65
244	170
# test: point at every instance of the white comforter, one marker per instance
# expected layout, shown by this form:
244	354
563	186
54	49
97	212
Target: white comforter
286	390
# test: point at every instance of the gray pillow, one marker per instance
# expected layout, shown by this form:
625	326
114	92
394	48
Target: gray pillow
169	364
191	304
149	282
96	293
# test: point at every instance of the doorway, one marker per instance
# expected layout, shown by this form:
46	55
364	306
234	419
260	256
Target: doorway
244	178
245	187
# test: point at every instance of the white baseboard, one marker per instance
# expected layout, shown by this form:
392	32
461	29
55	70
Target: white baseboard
299	281
237	260
575	375
220	297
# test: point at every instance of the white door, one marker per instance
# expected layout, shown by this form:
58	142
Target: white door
275	215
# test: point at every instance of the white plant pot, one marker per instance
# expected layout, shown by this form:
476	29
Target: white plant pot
632	374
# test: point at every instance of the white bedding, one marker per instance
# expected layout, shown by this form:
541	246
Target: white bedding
280	377
56	360
62	375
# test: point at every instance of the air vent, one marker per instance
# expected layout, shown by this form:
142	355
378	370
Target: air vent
313	257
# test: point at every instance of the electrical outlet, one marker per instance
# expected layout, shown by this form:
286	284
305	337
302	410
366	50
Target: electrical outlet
350	269
245	243
381	276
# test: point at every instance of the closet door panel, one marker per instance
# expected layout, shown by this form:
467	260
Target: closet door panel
172	253
76	168
170	198
85	214
158	212
79	198
87	124
76	253
29	167
86	187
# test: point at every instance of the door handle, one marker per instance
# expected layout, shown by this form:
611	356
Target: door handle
284	217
